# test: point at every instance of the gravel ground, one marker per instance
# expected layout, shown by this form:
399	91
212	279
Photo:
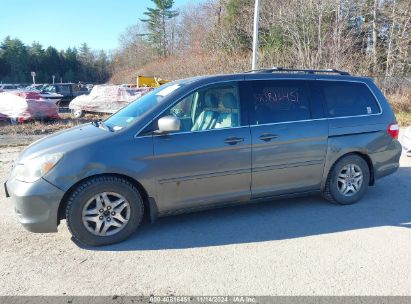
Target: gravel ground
302	246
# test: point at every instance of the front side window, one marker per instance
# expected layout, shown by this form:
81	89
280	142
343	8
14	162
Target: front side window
275	101
348	99
208	108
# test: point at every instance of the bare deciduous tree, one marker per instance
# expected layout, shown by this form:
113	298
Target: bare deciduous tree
363	36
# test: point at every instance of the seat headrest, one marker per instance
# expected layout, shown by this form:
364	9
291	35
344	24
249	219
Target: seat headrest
210	100
229	101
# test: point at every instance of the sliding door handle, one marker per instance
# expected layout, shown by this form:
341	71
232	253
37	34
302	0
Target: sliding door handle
233	140
267	136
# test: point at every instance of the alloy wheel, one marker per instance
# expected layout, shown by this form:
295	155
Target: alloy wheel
106	214
350	179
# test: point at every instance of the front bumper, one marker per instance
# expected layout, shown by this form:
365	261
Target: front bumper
36	204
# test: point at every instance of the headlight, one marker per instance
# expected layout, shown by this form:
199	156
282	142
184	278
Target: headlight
35	168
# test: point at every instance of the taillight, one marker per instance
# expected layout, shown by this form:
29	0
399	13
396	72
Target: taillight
393	130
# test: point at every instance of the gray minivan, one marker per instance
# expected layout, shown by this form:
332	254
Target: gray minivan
208	142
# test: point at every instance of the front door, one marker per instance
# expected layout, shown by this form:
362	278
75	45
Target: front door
208	162
289	137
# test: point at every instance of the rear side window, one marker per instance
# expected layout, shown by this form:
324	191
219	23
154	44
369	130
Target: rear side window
348	99
64	89
276	101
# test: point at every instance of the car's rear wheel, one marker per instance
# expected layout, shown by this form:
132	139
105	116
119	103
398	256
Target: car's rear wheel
104	210
347	180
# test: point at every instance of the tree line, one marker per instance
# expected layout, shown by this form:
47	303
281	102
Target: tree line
18	60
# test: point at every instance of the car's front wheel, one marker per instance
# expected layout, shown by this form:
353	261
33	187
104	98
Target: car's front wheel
77	113
347	181
104	210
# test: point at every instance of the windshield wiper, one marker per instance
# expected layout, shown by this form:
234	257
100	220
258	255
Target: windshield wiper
99	123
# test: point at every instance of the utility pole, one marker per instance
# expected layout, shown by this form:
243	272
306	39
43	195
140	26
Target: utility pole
255	34
33	75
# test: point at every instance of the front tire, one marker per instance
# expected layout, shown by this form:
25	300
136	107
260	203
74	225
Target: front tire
347	180
104	210
77	113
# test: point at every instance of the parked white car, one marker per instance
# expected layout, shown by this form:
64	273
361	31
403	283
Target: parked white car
105	99
406	141
8	87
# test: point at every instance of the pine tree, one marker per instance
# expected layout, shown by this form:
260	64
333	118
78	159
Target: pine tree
16	57
156	24
18	60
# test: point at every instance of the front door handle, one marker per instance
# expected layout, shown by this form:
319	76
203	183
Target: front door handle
267	136
233	140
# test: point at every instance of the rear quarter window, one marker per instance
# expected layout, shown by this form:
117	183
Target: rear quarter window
348	99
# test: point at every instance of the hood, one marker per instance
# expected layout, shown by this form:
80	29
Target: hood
64	141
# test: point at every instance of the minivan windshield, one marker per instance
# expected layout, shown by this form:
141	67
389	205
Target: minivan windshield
135	110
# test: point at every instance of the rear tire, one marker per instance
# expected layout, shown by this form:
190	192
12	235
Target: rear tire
104	210
347	180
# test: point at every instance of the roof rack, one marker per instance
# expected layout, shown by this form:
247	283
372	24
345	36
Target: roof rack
280	69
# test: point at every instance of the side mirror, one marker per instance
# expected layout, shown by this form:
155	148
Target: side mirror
168	124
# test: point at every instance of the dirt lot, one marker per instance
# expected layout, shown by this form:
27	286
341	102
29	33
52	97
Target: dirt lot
33	128
289	247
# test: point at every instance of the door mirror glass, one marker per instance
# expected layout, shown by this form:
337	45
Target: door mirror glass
168	123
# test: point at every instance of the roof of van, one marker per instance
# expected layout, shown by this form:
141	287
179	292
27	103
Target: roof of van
274	75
